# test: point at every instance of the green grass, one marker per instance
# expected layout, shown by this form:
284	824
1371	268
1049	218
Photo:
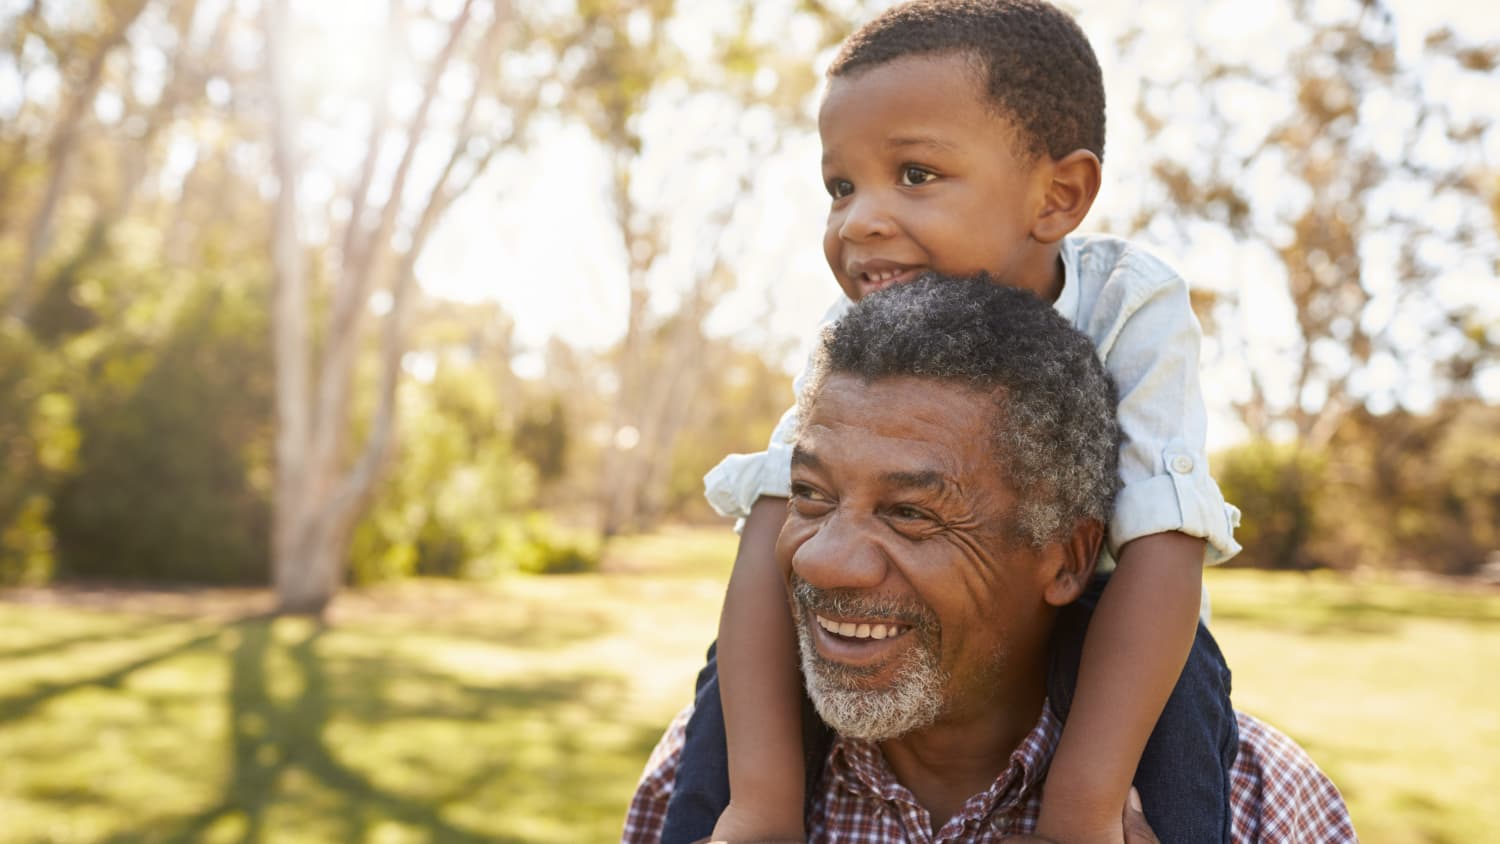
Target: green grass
523	710
1391	688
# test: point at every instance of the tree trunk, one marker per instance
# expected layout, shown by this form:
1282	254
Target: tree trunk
60	152
320	493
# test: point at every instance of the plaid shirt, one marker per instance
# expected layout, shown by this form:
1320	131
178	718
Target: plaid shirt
1277	794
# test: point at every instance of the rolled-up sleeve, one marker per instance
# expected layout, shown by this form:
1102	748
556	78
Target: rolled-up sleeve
1151	350
733	486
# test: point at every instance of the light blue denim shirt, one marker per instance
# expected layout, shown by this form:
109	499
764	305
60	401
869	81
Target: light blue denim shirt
1135	309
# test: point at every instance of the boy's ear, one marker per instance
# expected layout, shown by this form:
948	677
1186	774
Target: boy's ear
1069	194
1072	563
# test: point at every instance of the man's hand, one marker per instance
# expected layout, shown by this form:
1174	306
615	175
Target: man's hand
1137	831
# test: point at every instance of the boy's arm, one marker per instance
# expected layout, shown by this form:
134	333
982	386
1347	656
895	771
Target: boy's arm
1135	648
760	689
1142	630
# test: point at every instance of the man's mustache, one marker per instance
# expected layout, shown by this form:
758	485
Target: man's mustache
852	603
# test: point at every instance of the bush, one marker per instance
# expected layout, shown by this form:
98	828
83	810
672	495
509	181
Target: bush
171	444
547	549
1279	490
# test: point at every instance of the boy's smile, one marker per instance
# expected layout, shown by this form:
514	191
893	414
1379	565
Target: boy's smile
923	174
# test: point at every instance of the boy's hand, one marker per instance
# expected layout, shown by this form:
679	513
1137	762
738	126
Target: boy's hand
741	825
1137	831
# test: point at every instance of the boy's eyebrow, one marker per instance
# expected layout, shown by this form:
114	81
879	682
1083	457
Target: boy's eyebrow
905	141
901	141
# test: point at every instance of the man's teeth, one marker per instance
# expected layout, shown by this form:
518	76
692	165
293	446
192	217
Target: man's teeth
883	276
860	631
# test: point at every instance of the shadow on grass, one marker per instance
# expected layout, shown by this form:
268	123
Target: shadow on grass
279	743
114	634
19	706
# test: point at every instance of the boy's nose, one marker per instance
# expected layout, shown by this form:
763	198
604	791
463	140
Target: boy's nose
865	217
842	554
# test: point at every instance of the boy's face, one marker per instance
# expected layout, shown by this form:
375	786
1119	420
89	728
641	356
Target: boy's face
924	175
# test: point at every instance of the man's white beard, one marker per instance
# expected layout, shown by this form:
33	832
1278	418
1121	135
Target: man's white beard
854	709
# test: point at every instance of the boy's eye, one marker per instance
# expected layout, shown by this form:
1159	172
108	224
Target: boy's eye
840	188
912	175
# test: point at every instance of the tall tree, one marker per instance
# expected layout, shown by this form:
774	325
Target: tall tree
636	68
323	480
62	148
1356	220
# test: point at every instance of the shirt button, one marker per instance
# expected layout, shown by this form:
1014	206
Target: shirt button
1182	464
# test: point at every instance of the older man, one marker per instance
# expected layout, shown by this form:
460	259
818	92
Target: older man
949	486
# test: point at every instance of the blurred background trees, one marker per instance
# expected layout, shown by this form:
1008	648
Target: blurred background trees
223	356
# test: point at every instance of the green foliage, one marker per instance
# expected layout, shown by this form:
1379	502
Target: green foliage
539	546
739	406
1420	492
1279	490
38	443
542	436
171	482
457	501
1391	491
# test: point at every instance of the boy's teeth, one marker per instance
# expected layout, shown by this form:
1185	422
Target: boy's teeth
859	631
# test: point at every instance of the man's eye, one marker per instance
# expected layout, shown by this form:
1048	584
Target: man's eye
907	512
912	175
802	490
839	188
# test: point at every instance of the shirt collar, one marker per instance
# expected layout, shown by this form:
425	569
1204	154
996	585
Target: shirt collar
860	767
1067	300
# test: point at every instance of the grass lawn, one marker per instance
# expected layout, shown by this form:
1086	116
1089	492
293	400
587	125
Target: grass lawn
523	710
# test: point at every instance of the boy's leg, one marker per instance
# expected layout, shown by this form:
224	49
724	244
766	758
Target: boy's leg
1183	775
701	791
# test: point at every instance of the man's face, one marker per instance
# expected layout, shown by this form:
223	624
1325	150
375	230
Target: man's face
923	175
913	604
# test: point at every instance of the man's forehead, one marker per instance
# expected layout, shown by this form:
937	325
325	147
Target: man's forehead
916	426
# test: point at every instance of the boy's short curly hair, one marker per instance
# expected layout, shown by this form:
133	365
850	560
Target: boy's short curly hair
1039	69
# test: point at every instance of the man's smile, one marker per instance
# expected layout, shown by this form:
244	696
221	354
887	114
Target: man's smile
861	630
865	634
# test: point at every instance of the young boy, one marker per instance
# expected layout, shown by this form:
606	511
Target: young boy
962	136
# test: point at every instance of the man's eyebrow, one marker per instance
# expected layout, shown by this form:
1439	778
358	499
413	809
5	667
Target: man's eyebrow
922	479
803	457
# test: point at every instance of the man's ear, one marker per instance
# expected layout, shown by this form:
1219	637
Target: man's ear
1070	191
1074	559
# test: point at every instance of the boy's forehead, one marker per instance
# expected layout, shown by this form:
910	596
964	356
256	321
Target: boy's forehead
940	88
963	71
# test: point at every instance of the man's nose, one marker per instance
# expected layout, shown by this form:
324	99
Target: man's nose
843	554
867	215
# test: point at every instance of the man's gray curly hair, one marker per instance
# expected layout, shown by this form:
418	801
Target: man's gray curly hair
1056	438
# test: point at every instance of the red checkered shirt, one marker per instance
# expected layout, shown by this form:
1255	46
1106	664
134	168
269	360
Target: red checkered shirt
1277	795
